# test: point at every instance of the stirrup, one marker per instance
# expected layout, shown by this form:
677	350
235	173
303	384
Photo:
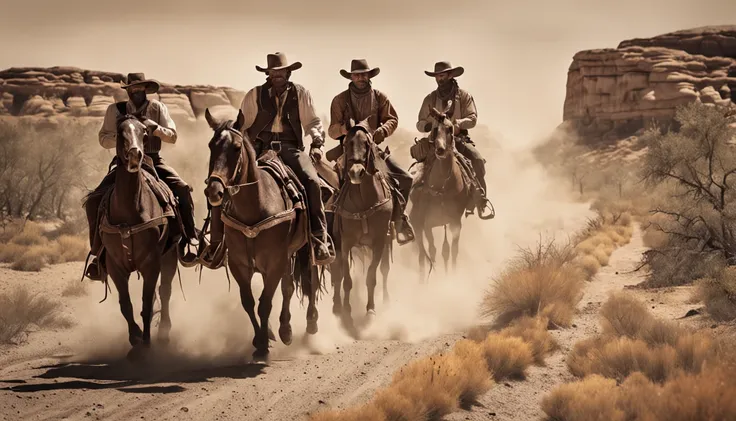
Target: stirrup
94	264
486	204
405	231
186	257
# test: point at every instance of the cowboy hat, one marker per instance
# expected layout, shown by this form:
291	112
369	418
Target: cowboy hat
444	67
135	79
278	61
358	66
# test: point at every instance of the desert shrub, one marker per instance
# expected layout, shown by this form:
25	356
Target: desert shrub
534	332
507	357
363	413
707	395
719	294
74	288
33	259
30	235
539	281
72	248
20	310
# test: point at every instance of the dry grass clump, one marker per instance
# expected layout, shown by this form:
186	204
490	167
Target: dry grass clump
28	247
534	332
367	412
540	281
719	294
635	341
74	288
507	357
707	395
20	311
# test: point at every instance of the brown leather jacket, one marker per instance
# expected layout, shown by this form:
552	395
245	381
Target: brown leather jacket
375	106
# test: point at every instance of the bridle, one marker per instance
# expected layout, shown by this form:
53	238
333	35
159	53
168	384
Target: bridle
228	184
350	161
122	155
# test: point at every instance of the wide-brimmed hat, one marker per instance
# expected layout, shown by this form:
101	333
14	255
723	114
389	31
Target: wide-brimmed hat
278	61
445	67
358	66
135	79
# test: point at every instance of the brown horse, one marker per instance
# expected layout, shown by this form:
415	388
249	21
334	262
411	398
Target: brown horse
443	196
137	234
264	230
363	211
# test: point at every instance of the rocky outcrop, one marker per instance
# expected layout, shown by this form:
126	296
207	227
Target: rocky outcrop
613	93
69	91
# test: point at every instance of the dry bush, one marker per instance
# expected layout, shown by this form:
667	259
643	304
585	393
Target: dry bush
74	288
707	395
589	265
398	407
367	412
72	248
507	357
422	382
534	332
539	281
633	340
31	235
591	399
20	311
10	252
719	294
33	259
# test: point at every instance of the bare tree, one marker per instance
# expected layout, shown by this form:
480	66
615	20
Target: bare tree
696	168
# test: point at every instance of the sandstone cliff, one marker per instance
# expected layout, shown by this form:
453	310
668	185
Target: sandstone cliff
76	92
613	93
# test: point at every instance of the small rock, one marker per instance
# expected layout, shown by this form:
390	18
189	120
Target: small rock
508	385
616	272
713	326
184	409
493	414
574	325
321	402
88	414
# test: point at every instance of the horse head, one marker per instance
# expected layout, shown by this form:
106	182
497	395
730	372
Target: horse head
132	135
358	150
226	156
443	133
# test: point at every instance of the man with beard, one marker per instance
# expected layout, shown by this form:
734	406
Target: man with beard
462	113
161	128
277	114
360	101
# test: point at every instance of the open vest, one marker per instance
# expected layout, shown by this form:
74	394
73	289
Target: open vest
375	112
291	123
153	145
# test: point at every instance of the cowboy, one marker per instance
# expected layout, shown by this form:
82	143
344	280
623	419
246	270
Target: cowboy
277	114
160	128
462	113
359	102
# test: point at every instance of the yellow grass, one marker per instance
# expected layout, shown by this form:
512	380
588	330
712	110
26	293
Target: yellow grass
34	258
20	311
534	332
72	248
589	265
507	357
593	399
719	294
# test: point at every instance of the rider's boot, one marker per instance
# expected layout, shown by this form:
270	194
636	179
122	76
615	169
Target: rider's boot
323	248
404	230
188	241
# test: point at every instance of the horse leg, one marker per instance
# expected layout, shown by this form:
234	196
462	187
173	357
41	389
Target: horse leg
120	278
150	274
446	252
385	267
265	305
431	248
287	291
310	286
379	244
347	285
337	277
455	229
169	263
243	275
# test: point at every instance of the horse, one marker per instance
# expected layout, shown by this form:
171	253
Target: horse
264	229
138	232
362	217
443	196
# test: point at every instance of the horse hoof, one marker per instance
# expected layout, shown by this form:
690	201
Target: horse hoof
137	354
312	327
260	355
285	334
371	314
336	310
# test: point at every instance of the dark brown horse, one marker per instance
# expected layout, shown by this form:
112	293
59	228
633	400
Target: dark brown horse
263	231
137	234
442	198
362	218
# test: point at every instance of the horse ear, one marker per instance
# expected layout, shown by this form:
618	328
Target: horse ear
239	121
214	124
350	125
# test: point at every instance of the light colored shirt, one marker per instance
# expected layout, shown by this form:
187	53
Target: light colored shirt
307	113
154	110
464	116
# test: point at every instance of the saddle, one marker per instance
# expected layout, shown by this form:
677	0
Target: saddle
424	161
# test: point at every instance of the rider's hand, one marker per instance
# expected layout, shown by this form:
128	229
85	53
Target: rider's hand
151	126
456	129
428	127
378	136
316	153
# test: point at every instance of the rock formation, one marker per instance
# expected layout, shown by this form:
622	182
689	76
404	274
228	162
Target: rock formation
60	91
613	93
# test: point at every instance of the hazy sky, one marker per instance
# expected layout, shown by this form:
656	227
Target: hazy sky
515	54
